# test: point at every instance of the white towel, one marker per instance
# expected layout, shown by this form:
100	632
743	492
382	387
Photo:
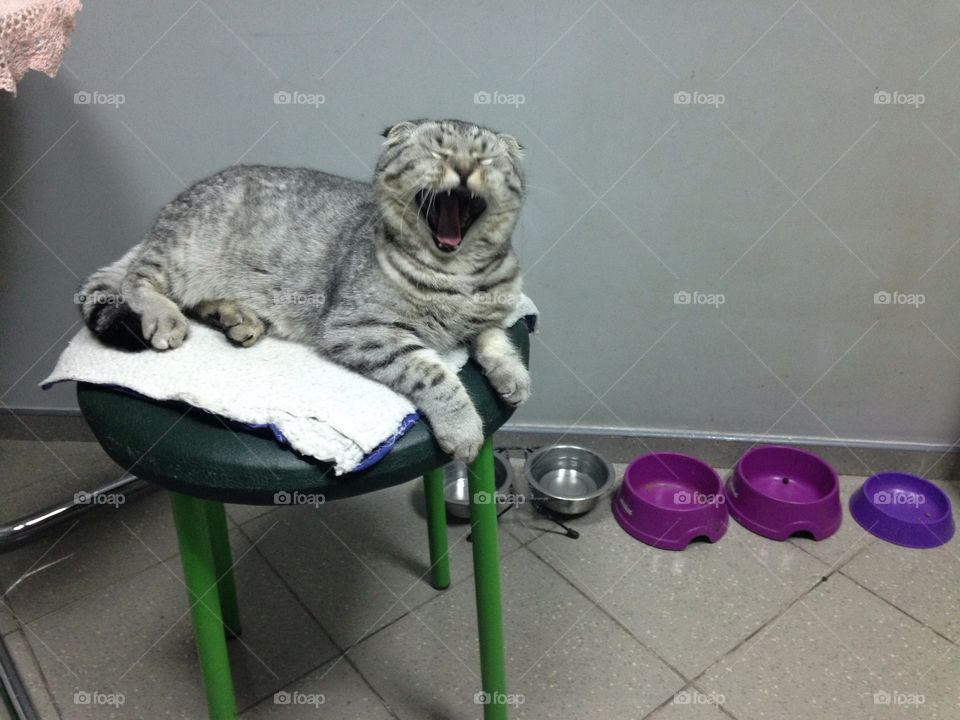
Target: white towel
321	409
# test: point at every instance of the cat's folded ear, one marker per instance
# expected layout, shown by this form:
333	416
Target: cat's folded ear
512	146
398	132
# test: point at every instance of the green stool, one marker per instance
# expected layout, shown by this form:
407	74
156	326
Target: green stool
198	458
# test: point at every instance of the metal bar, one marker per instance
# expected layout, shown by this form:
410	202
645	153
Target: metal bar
24	528
13	687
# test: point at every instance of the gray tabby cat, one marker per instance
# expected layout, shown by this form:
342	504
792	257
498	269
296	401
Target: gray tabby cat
379	278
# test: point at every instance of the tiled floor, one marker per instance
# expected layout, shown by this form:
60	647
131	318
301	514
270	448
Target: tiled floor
339	617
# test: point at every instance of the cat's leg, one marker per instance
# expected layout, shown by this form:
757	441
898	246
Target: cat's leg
239	323
503	365
403	363
164	326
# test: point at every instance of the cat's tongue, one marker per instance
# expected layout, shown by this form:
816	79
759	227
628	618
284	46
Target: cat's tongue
448	221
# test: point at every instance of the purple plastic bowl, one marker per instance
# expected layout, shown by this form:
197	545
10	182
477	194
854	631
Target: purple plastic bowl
904	510
668	499
777	491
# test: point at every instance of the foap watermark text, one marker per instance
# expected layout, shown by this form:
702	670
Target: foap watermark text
695	297
299	298
294	697
298	498
485	498
899	497
96	697
98	298
499	698
895	97
88	498
295	97
485	97
695	97
684	497
95	97
695	697
895	697
883	297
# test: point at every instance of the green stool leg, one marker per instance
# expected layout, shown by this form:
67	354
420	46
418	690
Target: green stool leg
193	531
437	529
486	571
223	567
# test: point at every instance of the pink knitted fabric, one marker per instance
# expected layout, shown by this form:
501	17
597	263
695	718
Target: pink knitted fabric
33	36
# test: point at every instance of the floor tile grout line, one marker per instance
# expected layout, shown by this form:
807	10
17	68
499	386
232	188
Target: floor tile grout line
133	573
693	681
670	700
302	603
340	654
832	570
345	651
667	702
84	596
698	680
218	577
898	608
272	509
617	621
23	629
789	606
830	565
437	594
283	582
839	569
528	543
254	550
383	701
721	707
44	682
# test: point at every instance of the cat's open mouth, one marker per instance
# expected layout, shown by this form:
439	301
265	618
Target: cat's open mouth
449	215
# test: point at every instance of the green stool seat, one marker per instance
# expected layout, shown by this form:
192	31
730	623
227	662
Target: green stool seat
205	461
192	452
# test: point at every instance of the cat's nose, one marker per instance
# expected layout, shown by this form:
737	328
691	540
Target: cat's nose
463	168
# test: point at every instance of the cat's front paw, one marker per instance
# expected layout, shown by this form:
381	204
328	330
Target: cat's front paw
512	380
166	329
460	434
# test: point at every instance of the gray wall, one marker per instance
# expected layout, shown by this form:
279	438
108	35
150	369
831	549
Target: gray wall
797	199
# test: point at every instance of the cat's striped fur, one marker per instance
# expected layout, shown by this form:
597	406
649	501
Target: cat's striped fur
377	277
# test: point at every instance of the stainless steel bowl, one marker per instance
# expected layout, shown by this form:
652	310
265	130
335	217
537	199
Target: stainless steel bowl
567	479
456	493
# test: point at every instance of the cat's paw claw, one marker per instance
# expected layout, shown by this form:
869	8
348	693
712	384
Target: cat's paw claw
241	326
246	333
165	330
461	435
511	381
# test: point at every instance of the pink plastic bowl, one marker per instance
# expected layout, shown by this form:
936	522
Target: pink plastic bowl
668	499
777	491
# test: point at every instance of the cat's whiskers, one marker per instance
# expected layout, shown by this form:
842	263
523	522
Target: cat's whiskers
549	191
403	210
